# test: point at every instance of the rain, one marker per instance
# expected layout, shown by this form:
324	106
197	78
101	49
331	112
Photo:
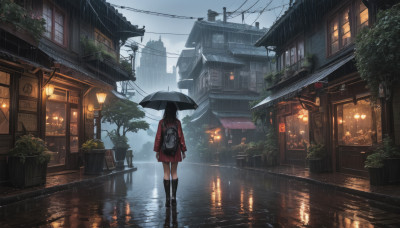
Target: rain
228	113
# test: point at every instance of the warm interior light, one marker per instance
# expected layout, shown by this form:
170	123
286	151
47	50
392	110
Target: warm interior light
49	90
101	97
317	101
357	116
74	113
363	116
305	119
301	116
218	137
4	105
90	107
231	77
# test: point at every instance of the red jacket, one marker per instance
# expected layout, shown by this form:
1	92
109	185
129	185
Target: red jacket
158	143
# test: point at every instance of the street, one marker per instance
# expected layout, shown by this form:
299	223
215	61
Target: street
208	196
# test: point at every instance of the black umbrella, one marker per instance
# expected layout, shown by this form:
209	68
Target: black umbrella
159	100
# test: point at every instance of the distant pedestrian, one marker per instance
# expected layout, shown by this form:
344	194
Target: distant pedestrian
170	148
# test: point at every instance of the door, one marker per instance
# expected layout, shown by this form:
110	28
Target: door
358	127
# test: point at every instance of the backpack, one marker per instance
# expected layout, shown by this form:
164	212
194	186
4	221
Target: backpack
170	139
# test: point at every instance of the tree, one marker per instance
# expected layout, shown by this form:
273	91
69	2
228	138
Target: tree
126	115
377	51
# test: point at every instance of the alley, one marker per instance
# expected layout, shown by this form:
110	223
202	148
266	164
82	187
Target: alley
208	196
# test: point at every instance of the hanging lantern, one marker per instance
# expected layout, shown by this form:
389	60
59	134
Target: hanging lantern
232	76
101	97
49	90
318	85
317	101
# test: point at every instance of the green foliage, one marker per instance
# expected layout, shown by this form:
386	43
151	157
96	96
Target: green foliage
240	148
119	141
387	148
18	16
377	51
28	145
271	147
91	48
374	160
126	65
316	151
255	148
92	144
308	61
126	115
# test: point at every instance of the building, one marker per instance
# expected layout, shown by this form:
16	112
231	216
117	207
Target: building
319	96
49	78
152	73
223	72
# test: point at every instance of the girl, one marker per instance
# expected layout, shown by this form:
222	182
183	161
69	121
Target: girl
170	162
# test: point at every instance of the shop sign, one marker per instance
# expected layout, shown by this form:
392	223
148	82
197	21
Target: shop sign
282	127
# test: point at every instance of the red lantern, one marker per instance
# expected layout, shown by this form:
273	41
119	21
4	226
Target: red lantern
318	85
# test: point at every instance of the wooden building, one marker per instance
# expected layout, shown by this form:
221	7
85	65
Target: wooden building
223	72
49	86
319	95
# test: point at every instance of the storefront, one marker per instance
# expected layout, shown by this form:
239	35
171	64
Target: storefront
294	136
358	124
63	117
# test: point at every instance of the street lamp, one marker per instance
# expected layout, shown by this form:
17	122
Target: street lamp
49	90
101	98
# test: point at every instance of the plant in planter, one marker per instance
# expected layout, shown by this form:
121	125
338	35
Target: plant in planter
27	162
255	151
126	115
98	51
374	164
316	152
391	160
271	148
308	62
21	19
93	156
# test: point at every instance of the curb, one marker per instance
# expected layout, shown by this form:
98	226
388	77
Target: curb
369	195
41	192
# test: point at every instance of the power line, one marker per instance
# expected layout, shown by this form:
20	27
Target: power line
262	11
244	10
156	13
140	88
239	7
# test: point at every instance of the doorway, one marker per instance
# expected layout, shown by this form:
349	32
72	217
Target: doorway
358	126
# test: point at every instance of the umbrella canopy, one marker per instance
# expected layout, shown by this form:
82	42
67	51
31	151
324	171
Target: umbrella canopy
159	100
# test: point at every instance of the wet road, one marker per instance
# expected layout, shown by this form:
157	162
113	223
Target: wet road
208	196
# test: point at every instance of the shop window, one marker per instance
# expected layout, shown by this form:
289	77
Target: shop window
4	103
362	20
359	124
74	140
297	134
55	23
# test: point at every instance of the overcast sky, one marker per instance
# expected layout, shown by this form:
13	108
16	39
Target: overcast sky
192	8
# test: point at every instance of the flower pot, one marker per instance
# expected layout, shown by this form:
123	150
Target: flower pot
94	161
316	165
392	170
376	176
120	154
27	174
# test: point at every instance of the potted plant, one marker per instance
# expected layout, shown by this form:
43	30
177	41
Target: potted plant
374	164
315	154
121	147
27	162
391	161
94	152
254	151
271	148
126	115
308	62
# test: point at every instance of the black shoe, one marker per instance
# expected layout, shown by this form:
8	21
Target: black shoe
167	188
174	187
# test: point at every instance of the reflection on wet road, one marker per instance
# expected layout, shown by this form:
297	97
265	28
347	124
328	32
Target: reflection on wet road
208	196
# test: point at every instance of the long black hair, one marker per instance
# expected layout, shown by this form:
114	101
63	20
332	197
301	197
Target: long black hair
170	113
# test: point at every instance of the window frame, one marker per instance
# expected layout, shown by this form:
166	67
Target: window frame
354	15
55	9
290	45
9	102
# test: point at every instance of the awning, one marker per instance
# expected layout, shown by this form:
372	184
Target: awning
237	123
221	59
296	87
221	96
